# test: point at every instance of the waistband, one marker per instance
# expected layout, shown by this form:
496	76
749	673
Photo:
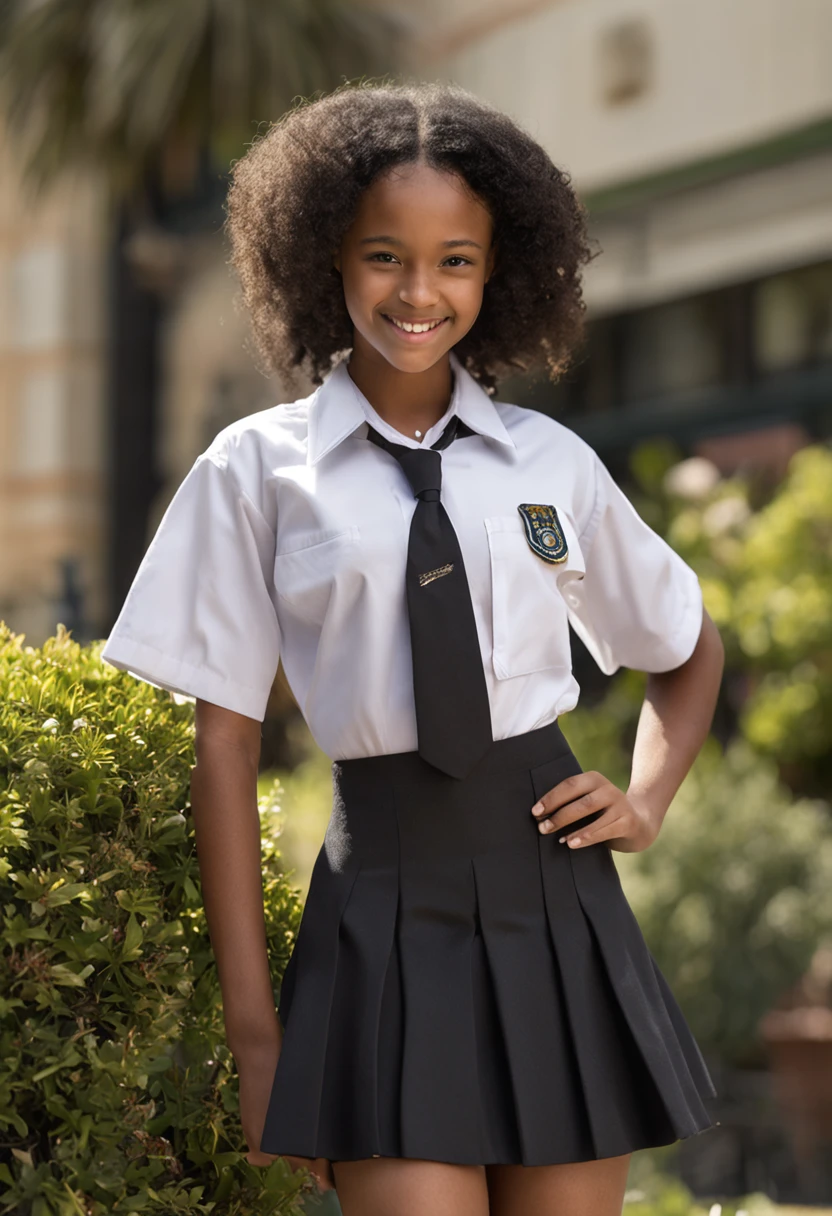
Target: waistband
397	806
522	751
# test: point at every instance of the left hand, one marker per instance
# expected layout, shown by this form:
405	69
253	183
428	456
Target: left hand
320	1169
255	1068
624	823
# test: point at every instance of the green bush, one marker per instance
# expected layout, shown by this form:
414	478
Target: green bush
654	1189
762	556
302	800
117	1093
734	896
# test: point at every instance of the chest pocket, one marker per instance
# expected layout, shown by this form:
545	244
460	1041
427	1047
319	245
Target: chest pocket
306	576
529	612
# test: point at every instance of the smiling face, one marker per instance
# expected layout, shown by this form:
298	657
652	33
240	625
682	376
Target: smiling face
413	264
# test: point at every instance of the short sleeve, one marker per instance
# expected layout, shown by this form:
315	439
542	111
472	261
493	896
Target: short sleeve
639	604
199	618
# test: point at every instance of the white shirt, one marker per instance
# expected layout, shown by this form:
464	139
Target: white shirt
288	538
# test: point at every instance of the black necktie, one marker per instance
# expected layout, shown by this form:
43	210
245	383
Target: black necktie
453	719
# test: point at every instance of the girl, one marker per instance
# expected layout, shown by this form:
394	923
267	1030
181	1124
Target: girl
470	1021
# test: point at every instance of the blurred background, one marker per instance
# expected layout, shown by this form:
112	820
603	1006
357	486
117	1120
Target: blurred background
698	133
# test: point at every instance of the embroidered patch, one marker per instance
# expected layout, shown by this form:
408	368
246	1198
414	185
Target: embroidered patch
543	531
430	575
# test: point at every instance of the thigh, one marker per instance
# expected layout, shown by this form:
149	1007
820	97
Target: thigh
580	1188
394	1186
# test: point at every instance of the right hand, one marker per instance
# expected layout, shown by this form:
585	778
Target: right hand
256	1072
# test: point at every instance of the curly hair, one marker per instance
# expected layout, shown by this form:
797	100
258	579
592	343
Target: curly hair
294	194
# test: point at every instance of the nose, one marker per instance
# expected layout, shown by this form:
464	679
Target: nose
418	288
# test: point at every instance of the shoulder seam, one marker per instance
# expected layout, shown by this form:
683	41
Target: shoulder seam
226	468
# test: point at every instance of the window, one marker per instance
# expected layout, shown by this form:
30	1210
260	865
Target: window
792	318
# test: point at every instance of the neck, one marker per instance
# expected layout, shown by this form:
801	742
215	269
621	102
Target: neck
407	401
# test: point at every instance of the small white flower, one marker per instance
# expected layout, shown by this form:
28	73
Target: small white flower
692	479
724	515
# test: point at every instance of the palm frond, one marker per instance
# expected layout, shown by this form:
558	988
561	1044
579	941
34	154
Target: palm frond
113	83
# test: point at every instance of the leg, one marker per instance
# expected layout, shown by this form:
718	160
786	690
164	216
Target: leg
582	1188
392	1186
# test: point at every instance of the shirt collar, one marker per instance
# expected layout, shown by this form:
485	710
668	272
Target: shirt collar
338	408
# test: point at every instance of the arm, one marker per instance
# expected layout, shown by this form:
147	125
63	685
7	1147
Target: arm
674	722
227	827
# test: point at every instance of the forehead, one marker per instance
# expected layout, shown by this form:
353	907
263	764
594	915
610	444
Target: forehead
421	199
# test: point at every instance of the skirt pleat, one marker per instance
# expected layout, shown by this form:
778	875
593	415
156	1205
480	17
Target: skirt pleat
309	987
440	1101
669	1050
534	1019
465	989
350	1098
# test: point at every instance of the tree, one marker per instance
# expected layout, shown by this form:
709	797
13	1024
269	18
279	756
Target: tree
158	96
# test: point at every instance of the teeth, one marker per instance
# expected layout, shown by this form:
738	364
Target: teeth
418	328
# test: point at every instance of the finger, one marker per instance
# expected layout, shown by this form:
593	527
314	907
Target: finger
566	791
323	1173
603	829
319	1167
255	1157
591	803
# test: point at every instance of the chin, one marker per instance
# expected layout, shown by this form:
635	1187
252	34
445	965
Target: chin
416	361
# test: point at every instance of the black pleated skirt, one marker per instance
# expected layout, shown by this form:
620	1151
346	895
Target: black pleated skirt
466	989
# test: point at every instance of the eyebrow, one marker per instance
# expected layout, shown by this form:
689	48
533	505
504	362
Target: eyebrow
392	240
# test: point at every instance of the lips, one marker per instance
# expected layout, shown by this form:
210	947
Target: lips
435	325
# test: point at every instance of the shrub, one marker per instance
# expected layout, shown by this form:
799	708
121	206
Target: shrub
762	556
734	895
654	1189
117	1092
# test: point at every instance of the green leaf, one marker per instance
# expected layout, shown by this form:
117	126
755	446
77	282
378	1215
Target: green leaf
136	1203
132	937
161	1064
62	974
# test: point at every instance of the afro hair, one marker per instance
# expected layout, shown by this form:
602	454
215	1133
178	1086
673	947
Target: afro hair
295	192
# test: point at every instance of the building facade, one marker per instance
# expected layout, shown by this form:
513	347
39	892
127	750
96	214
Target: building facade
53	504
699	135
697	132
